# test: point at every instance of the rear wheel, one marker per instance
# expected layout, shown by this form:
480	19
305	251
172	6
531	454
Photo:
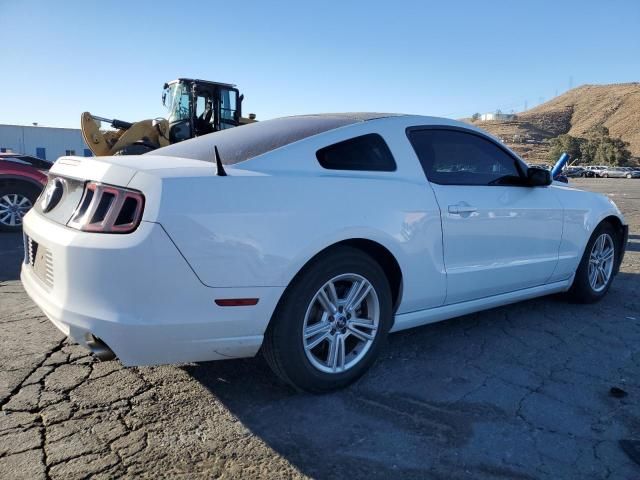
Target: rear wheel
596	270
15	201
331	322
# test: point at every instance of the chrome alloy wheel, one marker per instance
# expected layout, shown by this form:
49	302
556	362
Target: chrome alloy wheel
341	323
13	206
601	262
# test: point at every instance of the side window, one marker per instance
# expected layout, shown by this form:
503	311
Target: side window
228	108
367	152
70	152
451	157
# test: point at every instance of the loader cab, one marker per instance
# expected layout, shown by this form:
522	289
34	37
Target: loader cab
199	107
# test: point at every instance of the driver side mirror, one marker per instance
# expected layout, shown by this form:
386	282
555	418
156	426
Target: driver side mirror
538	177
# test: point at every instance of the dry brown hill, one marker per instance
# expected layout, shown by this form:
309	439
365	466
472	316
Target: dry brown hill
616	106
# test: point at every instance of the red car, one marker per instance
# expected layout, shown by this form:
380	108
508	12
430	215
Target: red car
22	178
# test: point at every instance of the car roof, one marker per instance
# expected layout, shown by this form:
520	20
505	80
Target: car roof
242	143
248	141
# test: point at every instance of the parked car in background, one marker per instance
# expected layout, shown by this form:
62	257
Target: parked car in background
572	172
308	238
22	178
620	172
599	169
596	170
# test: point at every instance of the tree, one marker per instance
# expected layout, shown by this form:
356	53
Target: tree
475	117
601	149
565	143
597	132
597	147
612	151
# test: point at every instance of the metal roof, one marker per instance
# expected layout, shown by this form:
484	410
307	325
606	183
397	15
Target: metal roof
230	85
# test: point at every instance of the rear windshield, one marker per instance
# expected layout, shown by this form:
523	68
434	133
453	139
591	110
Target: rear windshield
247	141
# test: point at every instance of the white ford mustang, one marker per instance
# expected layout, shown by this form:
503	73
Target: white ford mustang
308	237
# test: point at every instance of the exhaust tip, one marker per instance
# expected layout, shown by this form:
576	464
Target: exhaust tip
99	349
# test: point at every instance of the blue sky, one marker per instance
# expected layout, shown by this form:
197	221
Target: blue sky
451	59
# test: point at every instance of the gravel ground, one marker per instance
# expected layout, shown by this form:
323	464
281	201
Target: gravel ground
516	392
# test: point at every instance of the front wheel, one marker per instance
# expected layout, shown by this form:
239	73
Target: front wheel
596	270
628	175
331	322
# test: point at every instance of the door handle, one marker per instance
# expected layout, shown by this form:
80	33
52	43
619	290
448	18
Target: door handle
461	209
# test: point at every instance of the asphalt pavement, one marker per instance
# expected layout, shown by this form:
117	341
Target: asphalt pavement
518	392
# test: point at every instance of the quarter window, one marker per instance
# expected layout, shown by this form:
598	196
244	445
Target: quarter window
452	157
367	152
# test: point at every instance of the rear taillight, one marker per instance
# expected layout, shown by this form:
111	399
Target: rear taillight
107	209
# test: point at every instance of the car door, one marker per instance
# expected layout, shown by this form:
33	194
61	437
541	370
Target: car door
499	234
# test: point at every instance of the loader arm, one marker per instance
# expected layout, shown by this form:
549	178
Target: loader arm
151	132
93	137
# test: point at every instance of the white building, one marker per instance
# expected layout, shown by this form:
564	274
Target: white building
47	143
497	116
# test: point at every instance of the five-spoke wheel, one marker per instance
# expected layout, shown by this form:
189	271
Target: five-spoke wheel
341	323
598	265
331	322
601	262
15	202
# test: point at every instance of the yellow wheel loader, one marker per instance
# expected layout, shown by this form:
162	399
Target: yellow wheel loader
196	107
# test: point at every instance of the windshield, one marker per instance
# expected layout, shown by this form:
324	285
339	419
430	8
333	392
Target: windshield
176	99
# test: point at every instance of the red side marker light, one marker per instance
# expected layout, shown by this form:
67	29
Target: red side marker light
236	302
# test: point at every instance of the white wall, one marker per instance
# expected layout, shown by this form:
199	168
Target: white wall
497	116
55	141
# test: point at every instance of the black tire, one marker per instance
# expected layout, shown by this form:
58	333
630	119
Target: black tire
581	290
7	192
283	343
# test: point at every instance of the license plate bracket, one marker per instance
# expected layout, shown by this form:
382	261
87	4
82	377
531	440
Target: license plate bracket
41	265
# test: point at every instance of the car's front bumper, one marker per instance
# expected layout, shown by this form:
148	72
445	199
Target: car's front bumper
138	295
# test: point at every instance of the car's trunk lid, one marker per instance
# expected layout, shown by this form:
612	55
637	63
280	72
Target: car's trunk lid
119	170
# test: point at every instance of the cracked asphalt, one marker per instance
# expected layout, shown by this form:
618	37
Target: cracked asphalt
519	392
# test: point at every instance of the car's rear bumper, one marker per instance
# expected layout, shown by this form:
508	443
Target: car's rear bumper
138	295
